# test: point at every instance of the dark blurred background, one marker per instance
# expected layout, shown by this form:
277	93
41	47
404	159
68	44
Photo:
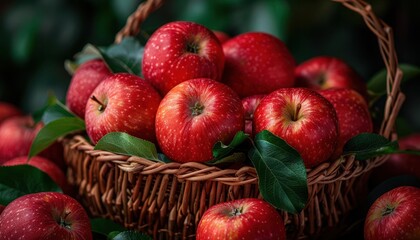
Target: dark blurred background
38	36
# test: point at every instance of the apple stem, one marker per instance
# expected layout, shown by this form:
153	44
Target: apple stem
101	105
63	222
192	47
296	115
197	109
388	210
237	211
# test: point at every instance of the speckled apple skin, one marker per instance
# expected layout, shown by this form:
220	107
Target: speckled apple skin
258	220
184	137
167	61
36	217
131	105
314	134
257	63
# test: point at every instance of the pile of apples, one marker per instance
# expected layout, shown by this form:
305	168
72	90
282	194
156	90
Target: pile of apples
197	90
199	87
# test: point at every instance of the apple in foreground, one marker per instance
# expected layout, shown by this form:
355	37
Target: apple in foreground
250	104
324	72
45	165
352	112
194	115
303	118
257	63
8	110
247	218
399	164
85	79
179	51
45	215
122	102
394	215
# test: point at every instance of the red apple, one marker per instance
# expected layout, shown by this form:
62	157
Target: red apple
257	63
352	112
324	72
247	218
45	215
122	103
8	110
45	165
222	36
2	208
250	104
179	51
16	137
394	215
194	115
302	118
87	76
399	164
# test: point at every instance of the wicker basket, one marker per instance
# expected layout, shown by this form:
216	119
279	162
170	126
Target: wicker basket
166	200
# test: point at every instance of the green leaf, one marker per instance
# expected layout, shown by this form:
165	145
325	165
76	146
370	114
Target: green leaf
132	235
377	84
281	172
163	158
233	158
221	150
105	226
369	145
54	111
125	144
88	52
38	114
16	181
54	130
124	57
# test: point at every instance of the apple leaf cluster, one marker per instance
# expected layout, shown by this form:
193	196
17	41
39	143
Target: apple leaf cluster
107	229
123	57
26	179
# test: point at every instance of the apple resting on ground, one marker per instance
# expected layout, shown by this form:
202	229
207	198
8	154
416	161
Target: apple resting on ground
257	63
122	103
46	216
352	112
194	115
394	215
87	76
248	218
324	72
16	137
399	164
303	118
179	51
250	104
45	165
8	110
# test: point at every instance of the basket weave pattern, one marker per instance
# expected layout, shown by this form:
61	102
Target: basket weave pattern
167	200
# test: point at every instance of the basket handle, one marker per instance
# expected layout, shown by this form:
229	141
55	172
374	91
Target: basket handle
380	29
132	26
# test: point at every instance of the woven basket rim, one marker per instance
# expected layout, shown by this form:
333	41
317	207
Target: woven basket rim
345	167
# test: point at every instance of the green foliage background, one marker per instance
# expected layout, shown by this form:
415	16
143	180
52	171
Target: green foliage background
38	36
